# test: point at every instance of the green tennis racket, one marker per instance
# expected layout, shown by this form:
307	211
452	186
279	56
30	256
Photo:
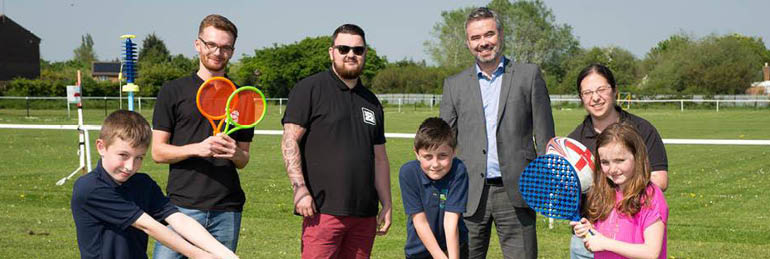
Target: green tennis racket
247	110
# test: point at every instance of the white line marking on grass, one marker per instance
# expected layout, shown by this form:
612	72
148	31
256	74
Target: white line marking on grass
411	135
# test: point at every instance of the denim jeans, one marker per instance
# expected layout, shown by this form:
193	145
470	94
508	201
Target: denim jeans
577	250
225	226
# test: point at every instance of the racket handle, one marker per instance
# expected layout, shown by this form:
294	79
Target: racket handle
590	233
218	129
227	132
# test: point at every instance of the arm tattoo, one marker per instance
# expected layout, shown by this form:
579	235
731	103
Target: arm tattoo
292	133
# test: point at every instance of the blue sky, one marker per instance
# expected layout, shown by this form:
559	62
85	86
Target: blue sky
395	28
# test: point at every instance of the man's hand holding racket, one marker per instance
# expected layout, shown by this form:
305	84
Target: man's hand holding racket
219	146
225	148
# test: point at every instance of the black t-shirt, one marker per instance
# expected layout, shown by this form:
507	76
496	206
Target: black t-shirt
104	212
656	151
196	183
342	126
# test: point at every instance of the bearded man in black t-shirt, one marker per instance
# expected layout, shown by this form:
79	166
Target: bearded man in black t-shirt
203	181
334	149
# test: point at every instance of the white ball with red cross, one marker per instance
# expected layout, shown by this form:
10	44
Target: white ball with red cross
577	155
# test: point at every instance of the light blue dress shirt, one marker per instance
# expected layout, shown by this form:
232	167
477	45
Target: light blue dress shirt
490	97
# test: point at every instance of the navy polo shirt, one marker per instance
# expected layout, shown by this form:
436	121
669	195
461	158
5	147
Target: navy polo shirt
104	211
342	126
421	194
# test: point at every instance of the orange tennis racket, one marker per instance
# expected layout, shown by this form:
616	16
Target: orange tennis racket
212	100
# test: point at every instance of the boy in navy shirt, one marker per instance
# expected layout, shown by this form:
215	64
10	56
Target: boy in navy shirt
434	189
115	208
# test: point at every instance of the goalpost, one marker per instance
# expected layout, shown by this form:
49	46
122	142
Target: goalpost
84	148
624	97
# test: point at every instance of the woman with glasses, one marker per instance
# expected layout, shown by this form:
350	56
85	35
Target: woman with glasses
597	91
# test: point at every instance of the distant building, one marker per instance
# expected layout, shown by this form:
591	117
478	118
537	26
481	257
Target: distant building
763	87
19	51
105	71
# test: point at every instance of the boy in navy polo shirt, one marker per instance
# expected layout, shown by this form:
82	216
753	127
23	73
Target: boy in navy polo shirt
434	189
115	208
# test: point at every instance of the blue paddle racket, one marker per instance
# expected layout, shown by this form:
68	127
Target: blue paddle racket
551	186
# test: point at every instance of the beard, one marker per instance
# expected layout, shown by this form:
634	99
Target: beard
205	60
497	49
349	73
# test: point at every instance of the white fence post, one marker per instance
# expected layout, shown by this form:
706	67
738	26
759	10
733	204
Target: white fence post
681	105
280	105
717	105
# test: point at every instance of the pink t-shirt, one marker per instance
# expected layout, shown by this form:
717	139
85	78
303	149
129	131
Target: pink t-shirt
631	229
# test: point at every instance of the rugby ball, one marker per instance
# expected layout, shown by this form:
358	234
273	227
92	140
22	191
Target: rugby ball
578	156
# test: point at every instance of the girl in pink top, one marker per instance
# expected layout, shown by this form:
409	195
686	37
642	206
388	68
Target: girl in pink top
626	213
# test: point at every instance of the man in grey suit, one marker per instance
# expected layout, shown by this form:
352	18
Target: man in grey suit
501	113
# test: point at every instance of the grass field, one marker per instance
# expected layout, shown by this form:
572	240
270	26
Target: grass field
716	195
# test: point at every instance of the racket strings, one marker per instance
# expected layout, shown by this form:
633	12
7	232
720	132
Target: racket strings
550	186
249	109
213	98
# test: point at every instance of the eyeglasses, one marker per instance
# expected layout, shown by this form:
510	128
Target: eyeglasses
210	46
602	90
343	49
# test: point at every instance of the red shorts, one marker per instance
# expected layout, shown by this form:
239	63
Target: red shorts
329	236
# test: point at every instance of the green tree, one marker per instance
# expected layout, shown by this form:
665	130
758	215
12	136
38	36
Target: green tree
85	52
153	50
448	48
531	36
410	77
624	66
280	67
711	65
152	76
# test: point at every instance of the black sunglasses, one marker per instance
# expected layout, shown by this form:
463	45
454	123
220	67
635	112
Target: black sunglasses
343	49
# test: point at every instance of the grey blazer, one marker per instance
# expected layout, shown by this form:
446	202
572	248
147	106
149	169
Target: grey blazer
525	124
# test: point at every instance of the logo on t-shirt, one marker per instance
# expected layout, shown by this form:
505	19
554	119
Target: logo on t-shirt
368	116
234	115
442	198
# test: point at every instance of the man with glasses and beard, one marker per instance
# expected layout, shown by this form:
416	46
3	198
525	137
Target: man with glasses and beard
203	181
501	113
334	150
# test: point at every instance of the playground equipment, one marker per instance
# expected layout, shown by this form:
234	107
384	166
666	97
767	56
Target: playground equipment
128	67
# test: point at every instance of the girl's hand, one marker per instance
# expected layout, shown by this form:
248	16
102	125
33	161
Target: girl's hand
582	227
596	242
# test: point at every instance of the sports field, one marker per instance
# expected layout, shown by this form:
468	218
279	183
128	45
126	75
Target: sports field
717	194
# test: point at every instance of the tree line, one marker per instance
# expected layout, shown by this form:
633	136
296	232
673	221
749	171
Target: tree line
682	64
